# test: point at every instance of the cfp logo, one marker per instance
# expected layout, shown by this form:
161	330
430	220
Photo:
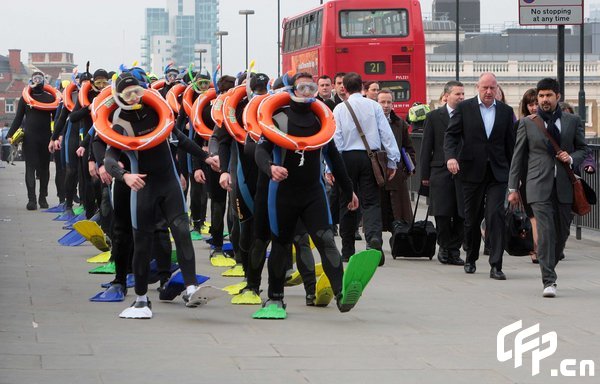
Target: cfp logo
540	348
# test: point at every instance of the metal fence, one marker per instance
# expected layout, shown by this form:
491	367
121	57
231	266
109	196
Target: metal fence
589	221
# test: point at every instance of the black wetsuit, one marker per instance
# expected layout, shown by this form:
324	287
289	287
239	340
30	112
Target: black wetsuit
162	192
70	142
35	141
301	196
198	192
59	158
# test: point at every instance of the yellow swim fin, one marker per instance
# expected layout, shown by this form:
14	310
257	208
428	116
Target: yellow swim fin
237	271
103	257
92	233
247	297
235	289
323	291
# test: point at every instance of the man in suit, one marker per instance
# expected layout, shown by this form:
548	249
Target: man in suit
548	188
324	92
484	128
444	191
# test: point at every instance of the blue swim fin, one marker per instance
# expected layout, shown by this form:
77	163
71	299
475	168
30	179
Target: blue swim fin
113	293
56	209
153	275
130	282
175	286
71	239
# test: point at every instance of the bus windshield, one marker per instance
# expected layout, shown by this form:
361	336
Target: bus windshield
374	23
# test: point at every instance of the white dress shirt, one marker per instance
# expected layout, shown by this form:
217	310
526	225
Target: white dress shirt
488	114
374	124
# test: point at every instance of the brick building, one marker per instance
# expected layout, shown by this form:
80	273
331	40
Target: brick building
13	77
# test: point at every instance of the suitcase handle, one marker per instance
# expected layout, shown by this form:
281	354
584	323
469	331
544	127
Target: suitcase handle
412	224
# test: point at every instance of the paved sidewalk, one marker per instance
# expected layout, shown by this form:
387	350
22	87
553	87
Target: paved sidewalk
418	321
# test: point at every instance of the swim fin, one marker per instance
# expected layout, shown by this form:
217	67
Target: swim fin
246	297
196	235
323	291
358	273
56	209
220	260
153	275
104	269
66	216
235	289
78	210
237	271
175	285
130	282
71	239
318	269
205	230
114	293
294	279
103	257
202	295
93	233
272	309
69	224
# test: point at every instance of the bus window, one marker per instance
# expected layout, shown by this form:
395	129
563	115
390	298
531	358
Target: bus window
292	40
319	25
298	44
374	23
305	33
400	89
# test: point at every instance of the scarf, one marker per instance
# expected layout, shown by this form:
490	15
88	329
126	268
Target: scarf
550	119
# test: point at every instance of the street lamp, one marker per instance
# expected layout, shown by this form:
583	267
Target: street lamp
246	12
221	34
200	52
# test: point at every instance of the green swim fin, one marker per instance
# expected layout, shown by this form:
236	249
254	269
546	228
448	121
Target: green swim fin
358	273
78	210
272	309
196	235
106	269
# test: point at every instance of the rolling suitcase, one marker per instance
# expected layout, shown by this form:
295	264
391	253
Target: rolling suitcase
415	239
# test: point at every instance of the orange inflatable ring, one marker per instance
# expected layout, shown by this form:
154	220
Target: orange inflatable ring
271	132
250	117
196	117
229	107
158	84
188	100
83	97
105	93
173	95
33	103
151	97
217	109
68	99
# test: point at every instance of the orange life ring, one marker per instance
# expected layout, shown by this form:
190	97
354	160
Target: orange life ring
158	84
250	117
103	108
298	143
83	96
68	99
33	103
216	111
188	100
102	96
196	117
173	95
229	107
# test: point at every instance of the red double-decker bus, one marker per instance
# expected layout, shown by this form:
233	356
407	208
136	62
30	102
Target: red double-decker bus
379	39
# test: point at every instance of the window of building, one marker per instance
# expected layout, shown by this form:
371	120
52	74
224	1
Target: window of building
9	106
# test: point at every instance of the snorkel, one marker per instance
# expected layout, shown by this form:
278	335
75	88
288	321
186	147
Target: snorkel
248	79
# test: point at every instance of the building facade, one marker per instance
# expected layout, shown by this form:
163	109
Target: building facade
181	34
13	78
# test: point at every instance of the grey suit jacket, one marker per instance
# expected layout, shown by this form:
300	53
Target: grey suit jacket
532	148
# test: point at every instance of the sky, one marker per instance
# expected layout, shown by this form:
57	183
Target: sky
107	32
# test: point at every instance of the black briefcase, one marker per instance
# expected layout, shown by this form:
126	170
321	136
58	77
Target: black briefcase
416	239
518	234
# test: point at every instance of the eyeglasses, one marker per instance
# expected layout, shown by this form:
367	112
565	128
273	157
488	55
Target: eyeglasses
306	88
131	93
37	79
100	83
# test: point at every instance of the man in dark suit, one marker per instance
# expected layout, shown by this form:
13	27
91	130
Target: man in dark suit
484	128
445	195
547	184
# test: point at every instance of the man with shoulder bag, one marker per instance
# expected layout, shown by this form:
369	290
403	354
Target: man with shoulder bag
362	131
548	183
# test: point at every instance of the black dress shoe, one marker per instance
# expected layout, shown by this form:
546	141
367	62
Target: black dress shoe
497	274
443	255
455	260
470	268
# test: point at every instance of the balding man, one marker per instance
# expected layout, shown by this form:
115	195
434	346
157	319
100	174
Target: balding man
478	147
